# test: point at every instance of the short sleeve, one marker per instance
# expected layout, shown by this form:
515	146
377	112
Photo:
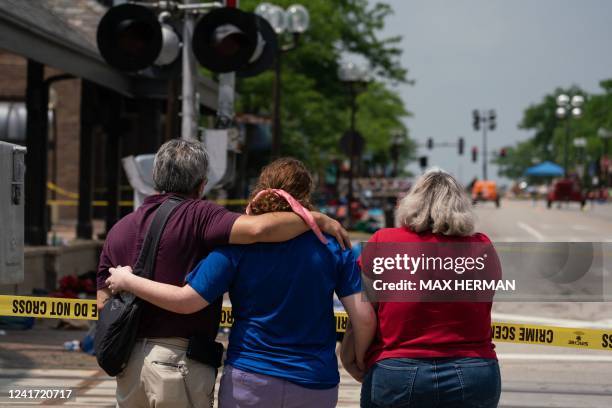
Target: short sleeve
349	278
373	238
215	223
103	265
213	275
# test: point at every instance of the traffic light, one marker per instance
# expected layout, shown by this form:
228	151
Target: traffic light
132	38
430	143
461	146
492	119
476	119
503	152
423	162
474	154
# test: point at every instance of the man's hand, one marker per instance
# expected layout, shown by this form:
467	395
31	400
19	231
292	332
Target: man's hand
102	296
332	227
120	279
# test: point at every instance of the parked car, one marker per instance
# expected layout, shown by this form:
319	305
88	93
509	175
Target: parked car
566	189
485	190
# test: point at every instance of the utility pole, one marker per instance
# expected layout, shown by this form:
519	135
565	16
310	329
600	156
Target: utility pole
484	153
189	128
488	121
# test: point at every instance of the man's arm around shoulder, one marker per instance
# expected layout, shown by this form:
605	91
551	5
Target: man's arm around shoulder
282	226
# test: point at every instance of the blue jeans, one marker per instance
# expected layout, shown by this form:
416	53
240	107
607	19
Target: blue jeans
432	383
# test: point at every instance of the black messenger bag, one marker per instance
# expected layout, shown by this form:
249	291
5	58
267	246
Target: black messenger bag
119	318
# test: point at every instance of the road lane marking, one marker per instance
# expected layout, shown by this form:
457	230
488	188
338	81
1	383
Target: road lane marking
532	231
551	321
555	357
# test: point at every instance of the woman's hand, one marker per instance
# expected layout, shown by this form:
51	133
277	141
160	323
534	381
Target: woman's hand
348	356
354	371
120	279
332	227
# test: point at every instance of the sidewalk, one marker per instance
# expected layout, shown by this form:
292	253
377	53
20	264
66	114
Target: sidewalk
36	359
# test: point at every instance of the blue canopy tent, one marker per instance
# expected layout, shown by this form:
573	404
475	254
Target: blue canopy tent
545	169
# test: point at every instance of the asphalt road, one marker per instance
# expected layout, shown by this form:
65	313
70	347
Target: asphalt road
541	376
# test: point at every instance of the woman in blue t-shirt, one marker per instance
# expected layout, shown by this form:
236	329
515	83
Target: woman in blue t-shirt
282	343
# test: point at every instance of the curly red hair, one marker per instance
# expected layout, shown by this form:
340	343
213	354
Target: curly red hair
287	174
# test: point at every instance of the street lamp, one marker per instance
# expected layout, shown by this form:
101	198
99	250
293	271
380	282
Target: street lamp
580	145
295	20
568	107
356	78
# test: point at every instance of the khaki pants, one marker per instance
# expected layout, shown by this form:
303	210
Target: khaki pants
159	375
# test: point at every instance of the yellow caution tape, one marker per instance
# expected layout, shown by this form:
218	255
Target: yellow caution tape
47	307
54	187
86	309
125	203
592	339
227	320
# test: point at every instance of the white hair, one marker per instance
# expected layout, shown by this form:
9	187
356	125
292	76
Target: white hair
437	203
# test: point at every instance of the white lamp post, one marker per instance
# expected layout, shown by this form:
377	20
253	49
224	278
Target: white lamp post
355	77
568	107
295	20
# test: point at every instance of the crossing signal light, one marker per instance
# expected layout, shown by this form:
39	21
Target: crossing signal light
503	152
430	143
228	39
492	120
461	146
131	38
476	119
474	154
423	162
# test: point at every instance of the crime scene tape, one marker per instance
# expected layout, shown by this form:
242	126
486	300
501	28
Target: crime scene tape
503	332
73	197
47	307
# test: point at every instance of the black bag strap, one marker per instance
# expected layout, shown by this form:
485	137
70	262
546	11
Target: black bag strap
145	265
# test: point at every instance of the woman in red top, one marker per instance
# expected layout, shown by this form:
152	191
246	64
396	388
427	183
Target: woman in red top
430	354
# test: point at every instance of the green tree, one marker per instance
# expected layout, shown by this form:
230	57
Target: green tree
315	105
548	140
519	157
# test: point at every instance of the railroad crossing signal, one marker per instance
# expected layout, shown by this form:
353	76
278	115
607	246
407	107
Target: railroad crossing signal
134	37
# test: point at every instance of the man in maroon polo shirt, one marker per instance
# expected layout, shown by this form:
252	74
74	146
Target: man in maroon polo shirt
158	373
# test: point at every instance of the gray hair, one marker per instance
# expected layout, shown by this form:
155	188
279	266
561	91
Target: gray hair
437	203
180	167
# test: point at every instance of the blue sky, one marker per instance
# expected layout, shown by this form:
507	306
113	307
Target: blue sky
501	54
